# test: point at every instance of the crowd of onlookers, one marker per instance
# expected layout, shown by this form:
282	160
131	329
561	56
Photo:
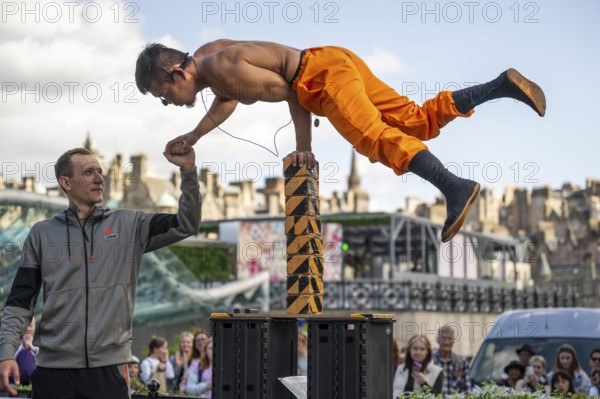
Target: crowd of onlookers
187	371
566	376
419	367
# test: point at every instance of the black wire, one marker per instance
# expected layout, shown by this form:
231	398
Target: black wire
276	153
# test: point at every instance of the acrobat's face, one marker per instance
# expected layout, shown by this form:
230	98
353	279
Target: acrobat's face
179	90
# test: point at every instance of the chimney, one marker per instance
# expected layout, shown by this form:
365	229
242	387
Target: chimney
29	183
137	169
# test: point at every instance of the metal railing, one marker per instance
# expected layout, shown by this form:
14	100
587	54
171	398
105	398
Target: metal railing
435	297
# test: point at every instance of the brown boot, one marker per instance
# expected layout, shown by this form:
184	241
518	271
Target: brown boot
510	84
460	193
459	201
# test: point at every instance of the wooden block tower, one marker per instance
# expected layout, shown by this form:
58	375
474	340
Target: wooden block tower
303	237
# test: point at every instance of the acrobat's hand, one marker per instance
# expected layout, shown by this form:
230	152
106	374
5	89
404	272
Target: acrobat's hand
8	367
185	161
303	157
182	144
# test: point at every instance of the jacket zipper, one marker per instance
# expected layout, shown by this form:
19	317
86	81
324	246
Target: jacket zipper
87	294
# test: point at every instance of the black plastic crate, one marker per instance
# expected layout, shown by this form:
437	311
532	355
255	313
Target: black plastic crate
250	353
350	357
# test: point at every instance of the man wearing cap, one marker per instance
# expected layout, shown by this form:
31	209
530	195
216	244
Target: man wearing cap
525	353
515	371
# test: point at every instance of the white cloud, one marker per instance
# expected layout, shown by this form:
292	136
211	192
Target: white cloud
384	61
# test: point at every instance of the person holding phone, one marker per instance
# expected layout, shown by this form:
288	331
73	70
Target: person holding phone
418	373
535	374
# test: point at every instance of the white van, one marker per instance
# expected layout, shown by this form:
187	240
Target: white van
544	329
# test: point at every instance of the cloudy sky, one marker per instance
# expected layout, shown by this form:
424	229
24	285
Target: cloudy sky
68	68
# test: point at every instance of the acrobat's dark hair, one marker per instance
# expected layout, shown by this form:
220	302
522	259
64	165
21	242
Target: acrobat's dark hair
154	63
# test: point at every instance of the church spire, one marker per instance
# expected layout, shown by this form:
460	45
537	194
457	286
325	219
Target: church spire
88	145
354	178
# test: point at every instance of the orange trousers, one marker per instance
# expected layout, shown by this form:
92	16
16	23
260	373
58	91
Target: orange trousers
379	123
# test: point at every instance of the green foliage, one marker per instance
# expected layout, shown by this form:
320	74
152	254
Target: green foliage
209	227
493	391
208	261
354	221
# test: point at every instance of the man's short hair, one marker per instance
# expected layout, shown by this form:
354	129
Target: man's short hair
154	65
447	331
64	166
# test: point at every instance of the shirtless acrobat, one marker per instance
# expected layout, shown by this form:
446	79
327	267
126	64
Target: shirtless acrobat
333	82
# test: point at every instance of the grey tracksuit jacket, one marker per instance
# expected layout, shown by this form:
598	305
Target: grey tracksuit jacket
89	277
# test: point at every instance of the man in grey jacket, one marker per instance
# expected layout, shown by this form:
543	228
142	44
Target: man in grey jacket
87	260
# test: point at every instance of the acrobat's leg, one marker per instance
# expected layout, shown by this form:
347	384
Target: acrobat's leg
509	84
359	121
460	193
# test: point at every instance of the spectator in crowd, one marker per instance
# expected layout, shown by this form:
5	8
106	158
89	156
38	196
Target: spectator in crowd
157	365
26	356
515	372
566	359
302	354
456	367
418	371
562	383
525	353
595	380
182	358
135	384
201	337
535	374
594	359
200	375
